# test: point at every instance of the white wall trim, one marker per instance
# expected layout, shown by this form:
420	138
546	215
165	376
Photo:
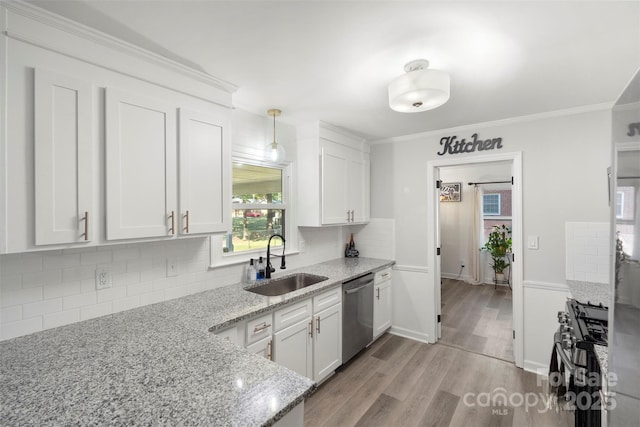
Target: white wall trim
560	287
407	333
536	368
413	268
496	123
79	30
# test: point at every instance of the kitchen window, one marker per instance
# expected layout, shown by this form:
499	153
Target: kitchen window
260	207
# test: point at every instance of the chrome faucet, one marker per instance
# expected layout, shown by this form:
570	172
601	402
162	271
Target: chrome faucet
269	269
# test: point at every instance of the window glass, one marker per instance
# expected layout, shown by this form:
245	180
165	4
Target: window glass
258	207
491	204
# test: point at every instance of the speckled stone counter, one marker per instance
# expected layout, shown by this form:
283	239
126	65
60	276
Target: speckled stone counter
157	365
594	293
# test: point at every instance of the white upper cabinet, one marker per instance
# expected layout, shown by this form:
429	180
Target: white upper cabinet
334	188
63	156
204	151
140	166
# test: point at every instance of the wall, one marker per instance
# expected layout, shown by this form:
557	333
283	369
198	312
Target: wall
565	156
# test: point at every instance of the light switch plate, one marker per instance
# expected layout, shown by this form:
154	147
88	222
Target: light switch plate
532	242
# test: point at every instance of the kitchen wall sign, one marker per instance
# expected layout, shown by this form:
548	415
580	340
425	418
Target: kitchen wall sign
451	192
451	145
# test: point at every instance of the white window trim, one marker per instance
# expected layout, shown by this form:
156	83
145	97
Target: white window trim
219	259
621	195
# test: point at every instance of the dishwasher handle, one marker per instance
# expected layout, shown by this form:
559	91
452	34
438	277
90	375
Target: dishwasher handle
354	290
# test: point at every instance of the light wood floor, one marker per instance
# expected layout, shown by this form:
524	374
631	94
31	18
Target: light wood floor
401	382
477	318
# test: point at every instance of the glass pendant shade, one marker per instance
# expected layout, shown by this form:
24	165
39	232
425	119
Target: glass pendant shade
420	89
273	151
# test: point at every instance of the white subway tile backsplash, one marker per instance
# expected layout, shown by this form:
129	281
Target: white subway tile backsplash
22	327
61	318
11	314
587	251
48	289
21	296
96	310
39	278
41	307
126	303
80	300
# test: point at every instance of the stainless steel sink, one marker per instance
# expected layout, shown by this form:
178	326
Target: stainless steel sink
283	285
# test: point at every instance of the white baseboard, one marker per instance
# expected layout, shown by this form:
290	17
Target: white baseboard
536	368
407	333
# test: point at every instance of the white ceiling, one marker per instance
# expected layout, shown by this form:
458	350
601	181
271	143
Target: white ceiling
332	60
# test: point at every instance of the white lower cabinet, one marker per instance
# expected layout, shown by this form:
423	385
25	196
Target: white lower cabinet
327	341
382	302
292	347
262	347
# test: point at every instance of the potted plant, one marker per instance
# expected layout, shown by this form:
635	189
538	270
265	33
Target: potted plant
498	246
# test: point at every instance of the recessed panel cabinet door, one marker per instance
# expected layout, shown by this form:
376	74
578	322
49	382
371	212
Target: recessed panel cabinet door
327	345
293	348
140	167
63	159
204	172
334	186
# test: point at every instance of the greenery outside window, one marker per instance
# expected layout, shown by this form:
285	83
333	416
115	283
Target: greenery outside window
260	207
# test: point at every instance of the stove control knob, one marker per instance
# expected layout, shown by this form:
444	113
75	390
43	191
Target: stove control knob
567	343
563	317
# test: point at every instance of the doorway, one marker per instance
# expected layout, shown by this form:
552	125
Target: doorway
434	242
476	313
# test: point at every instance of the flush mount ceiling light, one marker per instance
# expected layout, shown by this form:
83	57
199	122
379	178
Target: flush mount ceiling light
274	151
420	89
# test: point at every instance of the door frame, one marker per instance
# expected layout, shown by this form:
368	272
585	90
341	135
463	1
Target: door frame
433	227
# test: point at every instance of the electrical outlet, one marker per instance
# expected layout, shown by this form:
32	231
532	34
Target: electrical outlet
172	267
103	279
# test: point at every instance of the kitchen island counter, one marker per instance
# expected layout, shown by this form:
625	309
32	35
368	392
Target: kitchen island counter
158	364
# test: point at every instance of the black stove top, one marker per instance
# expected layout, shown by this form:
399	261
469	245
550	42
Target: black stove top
589	321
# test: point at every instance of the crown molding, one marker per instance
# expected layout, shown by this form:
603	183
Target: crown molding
502	122
87	33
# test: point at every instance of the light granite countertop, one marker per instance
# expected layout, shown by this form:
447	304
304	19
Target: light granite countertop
594	293
159	364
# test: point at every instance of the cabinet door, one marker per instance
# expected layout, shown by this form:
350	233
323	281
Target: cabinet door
262	347
358	189
381	308
63	159
140	167
334	186
327	342
204	172
292	347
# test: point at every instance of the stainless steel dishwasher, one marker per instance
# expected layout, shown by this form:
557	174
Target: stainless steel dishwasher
357	315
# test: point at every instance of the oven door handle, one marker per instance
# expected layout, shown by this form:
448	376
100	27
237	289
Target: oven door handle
560	351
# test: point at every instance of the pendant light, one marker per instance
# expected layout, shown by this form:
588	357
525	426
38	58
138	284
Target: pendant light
420	89
273	151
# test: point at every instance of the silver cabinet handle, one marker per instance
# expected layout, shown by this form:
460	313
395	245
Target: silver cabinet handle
378	293
318	324
311	328
86	225
352	211
261	328
186	229
173	222
270	350
348	216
